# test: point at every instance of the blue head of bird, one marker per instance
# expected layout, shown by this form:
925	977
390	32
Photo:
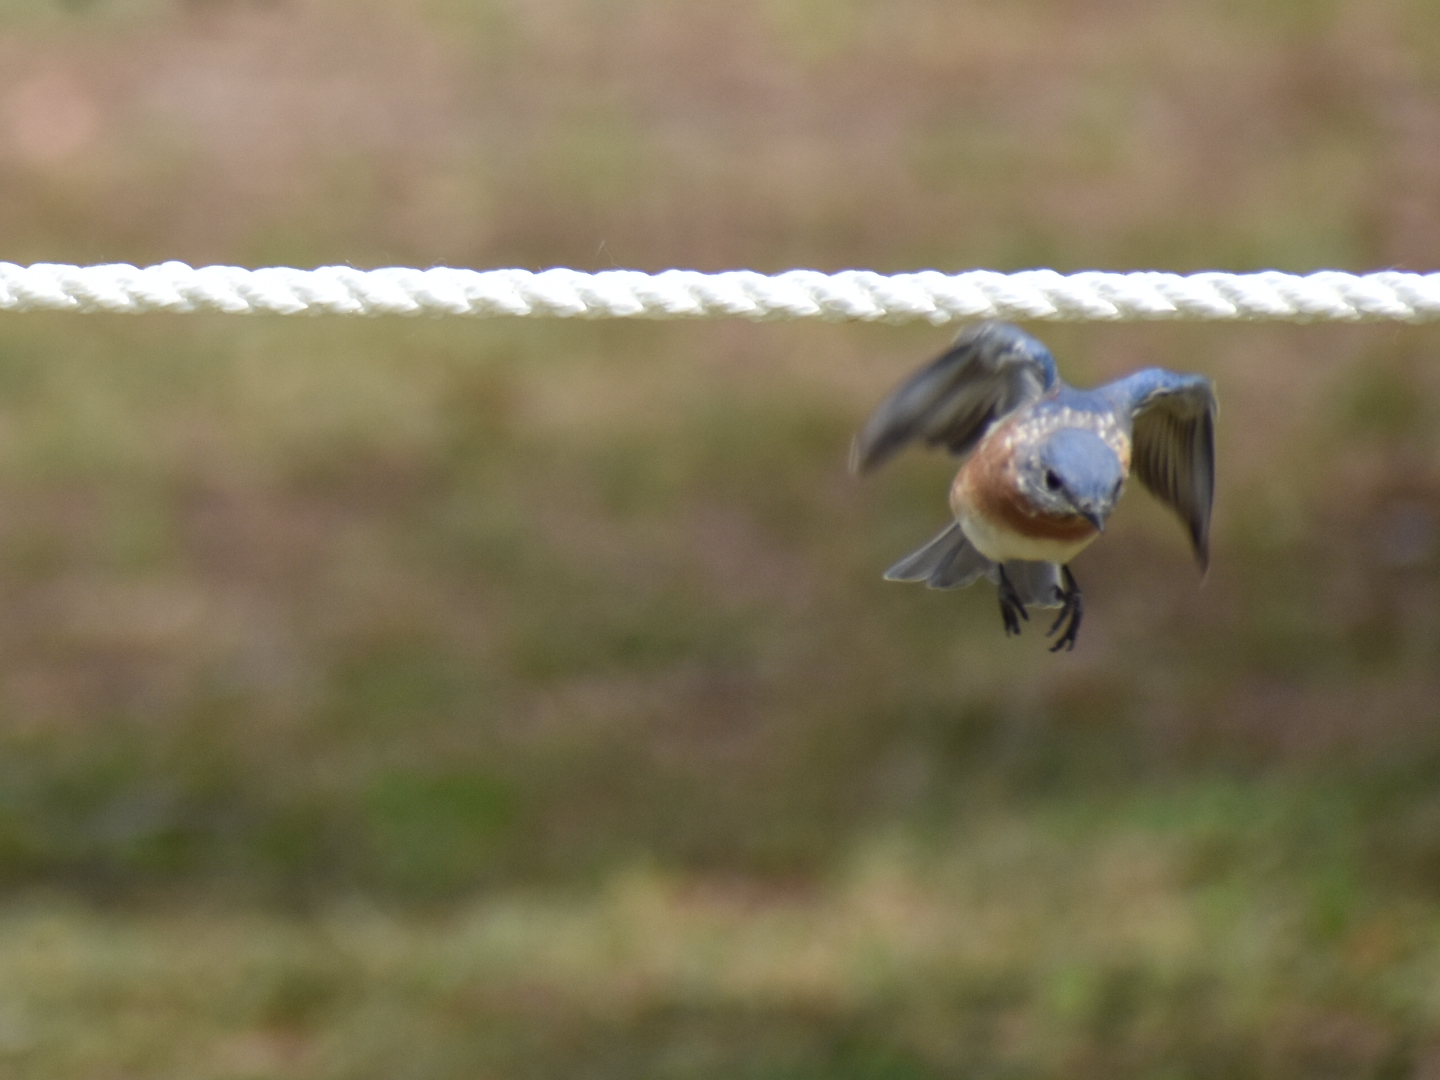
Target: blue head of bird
1074	472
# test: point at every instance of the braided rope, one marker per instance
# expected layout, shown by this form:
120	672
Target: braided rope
686	294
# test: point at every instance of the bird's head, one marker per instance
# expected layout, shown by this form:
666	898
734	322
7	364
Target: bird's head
1074	472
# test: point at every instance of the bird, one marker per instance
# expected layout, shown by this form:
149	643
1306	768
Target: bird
1042	465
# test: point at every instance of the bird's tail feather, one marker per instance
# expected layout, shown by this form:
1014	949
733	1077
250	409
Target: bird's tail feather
1036	583
950	561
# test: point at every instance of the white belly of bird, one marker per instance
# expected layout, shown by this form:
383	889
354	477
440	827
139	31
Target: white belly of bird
999	545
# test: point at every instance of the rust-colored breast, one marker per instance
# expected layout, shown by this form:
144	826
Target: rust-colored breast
986	485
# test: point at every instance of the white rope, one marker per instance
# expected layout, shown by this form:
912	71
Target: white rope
688	294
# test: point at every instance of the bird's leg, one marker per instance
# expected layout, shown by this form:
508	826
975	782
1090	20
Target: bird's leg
1011	609
1072	611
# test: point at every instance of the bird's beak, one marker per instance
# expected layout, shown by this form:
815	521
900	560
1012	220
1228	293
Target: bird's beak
1096	518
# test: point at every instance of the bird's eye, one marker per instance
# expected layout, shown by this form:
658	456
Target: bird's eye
1052	480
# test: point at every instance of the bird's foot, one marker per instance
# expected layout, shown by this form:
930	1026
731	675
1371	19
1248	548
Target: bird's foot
1011	608
1072	611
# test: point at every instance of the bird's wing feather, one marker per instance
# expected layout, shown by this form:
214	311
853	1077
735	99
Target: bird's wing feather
1174	444
992	369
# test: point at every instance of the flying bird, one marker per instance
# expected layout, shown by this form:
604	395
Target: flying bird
1042	466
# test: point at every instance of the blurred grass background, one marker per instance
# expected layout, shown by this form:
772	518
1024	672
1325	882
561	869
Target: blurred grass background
459	699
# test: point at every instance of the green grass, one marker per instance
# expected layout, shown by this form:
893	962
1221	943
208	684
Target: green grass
1151	937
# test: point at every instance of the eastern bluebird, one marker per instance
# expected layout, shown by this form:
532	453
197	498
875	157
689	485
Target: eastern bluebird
1042	464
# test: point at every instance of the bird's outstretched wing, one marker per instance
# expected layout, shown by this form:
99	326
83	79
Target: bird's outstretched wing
1174	444
990	370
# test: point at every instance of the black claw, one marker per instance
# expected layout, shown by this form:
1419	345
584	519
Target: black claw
1007	615
1011	608
1071	612
1064	614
